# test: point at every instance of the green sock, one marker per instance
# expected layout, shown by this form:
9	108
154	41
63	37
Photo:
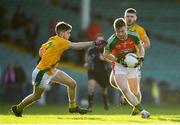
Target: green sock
139	107
135	109
138	97
20	106
72	104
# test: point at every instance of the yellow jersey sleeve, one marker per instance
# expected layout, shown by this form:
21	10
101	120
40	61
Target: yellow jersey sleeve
142	34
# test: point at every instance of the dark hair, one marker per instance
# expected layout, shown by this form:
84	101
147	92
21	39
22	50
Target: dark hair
118	23
62	26
130	10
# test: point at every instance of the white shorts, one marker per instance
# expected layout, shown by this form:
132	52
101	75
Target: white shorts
42	79
130	72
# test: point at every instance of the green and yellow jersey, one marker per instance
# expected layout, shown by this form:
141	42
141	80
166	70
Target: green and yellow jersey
140	31
51	52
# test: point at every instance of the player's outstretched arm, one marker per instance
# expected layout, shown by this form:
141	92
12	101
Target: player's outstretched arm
80	45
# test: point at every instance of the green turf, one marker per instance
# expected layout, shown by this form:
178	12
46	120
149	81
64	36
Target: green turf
58	114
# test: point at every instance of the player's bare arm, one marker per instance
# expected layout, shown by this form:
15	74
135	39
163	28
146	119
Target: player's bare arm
140	50
81	45
109	57
146	43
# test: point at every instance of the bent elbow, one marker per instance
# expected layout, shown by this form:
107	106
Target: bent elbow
146	46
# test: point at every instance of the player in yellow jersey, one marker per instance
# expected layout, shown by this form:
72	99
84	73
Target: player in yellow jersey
130	16
50	55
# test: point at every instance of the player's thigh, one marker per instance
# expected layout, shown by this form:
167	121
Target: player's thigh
91	79
112	81
41	79
120	76
121	81
133	85
63	78
102	79
133	80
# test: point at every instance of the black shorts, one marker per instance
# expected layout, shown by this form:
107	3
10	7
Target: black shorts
101	77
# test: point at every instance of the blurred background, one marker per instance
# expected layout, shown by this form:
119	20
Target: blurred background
26	24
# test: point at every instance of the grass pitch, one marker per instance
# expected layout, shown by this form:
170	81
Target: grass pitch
58	114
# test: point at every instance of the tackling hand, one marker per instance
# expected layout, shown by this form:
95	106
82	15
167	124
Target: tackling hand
100	41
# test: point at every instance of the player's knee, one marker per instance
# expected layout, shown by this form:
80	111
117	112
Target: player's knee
73	84
125	90
90	89
37	97
134	92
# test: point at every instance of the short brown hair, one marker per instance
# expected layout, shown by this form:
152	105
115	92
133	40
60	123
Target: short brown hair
118	23
62	26
130	10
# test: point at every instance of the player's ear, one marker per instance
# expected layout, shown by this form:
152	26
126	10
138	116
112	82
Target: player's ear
61	34
135	17
124	16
